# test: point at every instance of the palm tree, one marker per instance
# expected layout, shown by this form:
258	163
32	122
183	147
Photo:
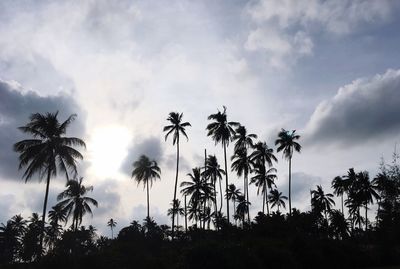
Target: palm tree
144	171
242	164
321	200
338	224
287	143
75	202
263	180
214	172
199	190
221	131
57	214
176	210
276	198
339	186
367	191
263	154
242	208
243	140
176	128
233	194
112	223
48	152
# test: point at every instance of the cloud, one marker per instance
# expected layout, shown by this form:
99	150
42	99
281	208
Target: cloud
363	110
108	198
16	105
302	183
151	147
139	213
283	29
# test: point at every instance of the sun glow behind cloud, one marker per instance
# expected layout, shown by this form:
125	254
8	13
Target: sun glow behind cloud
107	149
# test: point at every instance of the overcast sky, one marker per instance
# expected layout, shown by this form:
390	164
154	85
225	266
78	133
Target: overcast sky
329	69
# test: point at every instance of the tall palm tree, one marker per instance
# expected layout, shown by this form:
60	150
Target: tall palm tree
276	198
214	173
233	194
339	186
176	128
321	200
263	179
242	164
263	154
112	223
74	201
367	191
287	143
48	151
145	171
221	131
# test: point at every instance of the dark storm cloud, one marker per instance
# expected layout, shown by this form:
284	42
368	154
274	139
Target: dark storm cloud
151	147
363	110
15	108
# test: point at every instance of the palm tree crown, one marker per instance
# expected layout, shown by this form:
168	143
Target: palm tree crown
276	198
75	202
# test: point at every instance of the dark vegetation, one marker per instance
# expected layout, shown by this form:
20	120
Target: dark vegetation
201	234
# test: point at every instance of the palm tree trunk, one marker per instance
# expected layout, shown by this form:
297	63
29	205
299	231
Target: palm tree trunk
176	185
248	205
226	182
266	201
215	197
263	202
44	207
112	233
185	216
221	196
234	209
148	200
366	218
290	186
342	205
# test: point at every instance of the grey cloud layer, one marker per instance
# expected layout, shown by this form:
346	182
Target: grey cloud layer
16	106
363	110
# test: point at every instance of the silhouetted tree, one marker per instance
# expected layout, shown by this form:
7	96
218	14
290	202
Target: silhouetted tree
144	171
75	202
176	128
214	172
221	131
48	151
322	201
287	143
276	198
112	223
263	180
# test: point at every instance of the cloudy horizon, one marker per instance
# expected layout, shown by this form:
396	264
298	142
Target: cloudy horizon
327	69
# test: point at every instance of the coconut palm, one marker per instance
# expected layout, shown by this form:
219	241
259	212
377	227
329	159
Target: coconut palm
367	191
242	208
233	194
242	165
213	172
263	154
112	223
263	179
74	202
145	171
176	128
276	198
339	186
48	151
322	201
242	139
221	131
176	210
57	214
286	142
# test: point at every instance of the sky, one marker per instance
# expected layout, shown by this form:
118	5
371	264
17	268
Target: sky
328	69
